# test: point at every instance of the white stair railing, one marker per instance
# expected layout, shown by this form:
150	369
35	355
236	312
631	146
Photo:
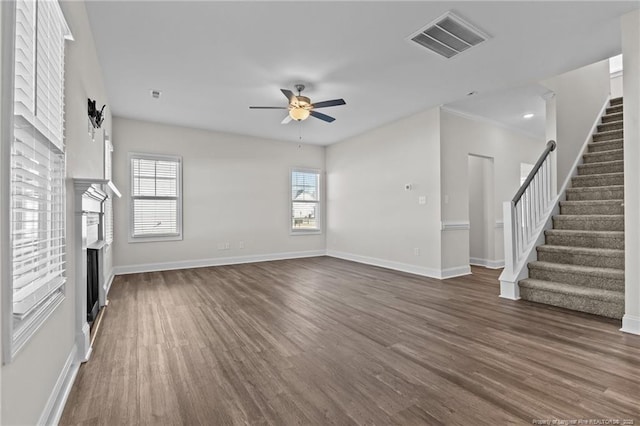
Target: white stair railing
523	218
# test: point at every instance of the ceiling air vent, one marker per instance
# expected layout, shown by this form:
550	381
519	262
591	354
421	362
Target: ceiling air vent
449	35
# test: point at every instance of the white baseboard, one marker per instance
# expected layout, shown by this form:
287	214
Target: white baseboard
491	264
58	398
457	271
630	324
107	285
219	261
389	264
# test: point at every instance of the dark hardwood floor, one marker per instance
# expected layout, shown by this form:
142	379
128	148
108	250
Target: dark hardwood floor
323	341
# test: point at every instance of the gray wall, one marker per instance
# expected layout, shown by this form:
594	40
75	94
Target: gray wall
235	189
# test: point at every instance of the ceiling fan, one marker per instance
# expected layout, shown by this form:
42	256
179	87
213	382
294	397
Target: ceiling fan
300	107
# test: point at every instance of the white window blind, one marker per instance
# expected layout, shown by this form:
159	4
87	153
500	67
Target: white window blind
108	206
37	199
305	200
156	197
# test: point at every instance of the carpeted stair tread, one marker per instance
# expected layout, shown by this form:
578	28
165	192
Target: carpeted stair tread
585	238
582	250
608	192
601	179
614	109
592	207
580	269
594	222
616	101
615	166
605	145
611	125
601	156
607	135
598	257
578	275
607	303
568	289
617	116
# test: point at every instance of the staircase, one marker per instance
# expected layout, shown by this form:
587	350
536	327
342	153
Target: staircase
581	264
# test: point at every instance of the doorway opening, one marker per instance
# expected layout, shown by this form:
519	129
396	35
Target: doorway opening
482	222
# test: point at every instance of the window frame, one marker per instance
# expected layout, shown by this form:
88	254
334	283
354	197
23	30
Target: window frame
17	332
155	238
319	202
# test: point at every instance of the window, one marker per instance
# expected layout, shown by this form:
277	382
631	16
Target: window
108	203
156	197
37	169
305	201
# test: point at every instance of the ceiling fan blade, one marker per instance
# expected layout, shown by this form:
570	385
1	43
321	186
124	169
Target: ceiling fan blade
321	116
333	102
267	107
286	120
289	94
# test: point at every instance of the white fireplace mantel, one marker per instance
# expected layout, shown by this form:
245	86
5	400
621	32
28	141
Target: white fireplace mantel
89	198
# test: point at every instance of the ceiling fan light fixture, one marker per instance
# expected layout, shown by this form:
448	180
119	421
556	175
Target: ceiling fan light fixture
299	114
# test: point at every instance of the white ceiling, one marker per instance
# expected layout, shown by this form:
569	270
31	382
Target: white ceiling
211	60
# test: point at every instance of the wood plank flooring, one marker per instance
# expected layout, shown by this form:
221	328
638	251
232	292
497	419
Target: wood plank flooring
323	341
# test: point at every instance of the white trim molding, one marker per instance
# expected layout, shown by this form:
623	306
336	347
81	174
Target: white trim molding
455	225
220	261
630	324
388	264
457	271
58	398
491	264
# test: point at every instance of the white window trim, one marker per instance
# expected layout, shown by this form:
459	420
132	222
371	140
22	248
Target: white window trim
320	201
155	238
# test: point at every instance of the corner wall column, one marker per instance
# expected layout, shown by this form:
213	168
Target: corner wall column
630	27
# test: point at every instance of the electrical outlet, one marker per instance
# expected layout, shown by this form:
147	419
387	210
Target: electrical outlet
241	245
227	245
416	251
422	200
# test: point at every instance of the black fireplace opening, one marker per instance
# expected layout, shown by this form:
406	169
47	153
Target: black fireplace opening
92	284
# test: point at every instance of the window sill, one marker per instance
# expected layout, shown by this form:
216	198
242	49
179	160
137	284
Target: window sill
155	239
305	232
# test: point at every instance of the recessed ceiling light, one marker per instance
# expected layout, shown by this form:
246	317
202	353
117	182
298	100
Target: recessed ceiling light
527	115
155	94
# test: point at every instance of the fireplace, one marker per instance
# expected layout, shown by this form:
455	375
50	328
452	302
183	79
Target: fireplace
89	254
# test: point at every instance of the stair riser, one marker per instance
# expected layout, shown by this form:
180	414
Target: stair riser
605	194
616	208
605	156
560	222
605	146
608	136
576	303
612	117
582	259
577	279
599	168
586	241
614	110
590	180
